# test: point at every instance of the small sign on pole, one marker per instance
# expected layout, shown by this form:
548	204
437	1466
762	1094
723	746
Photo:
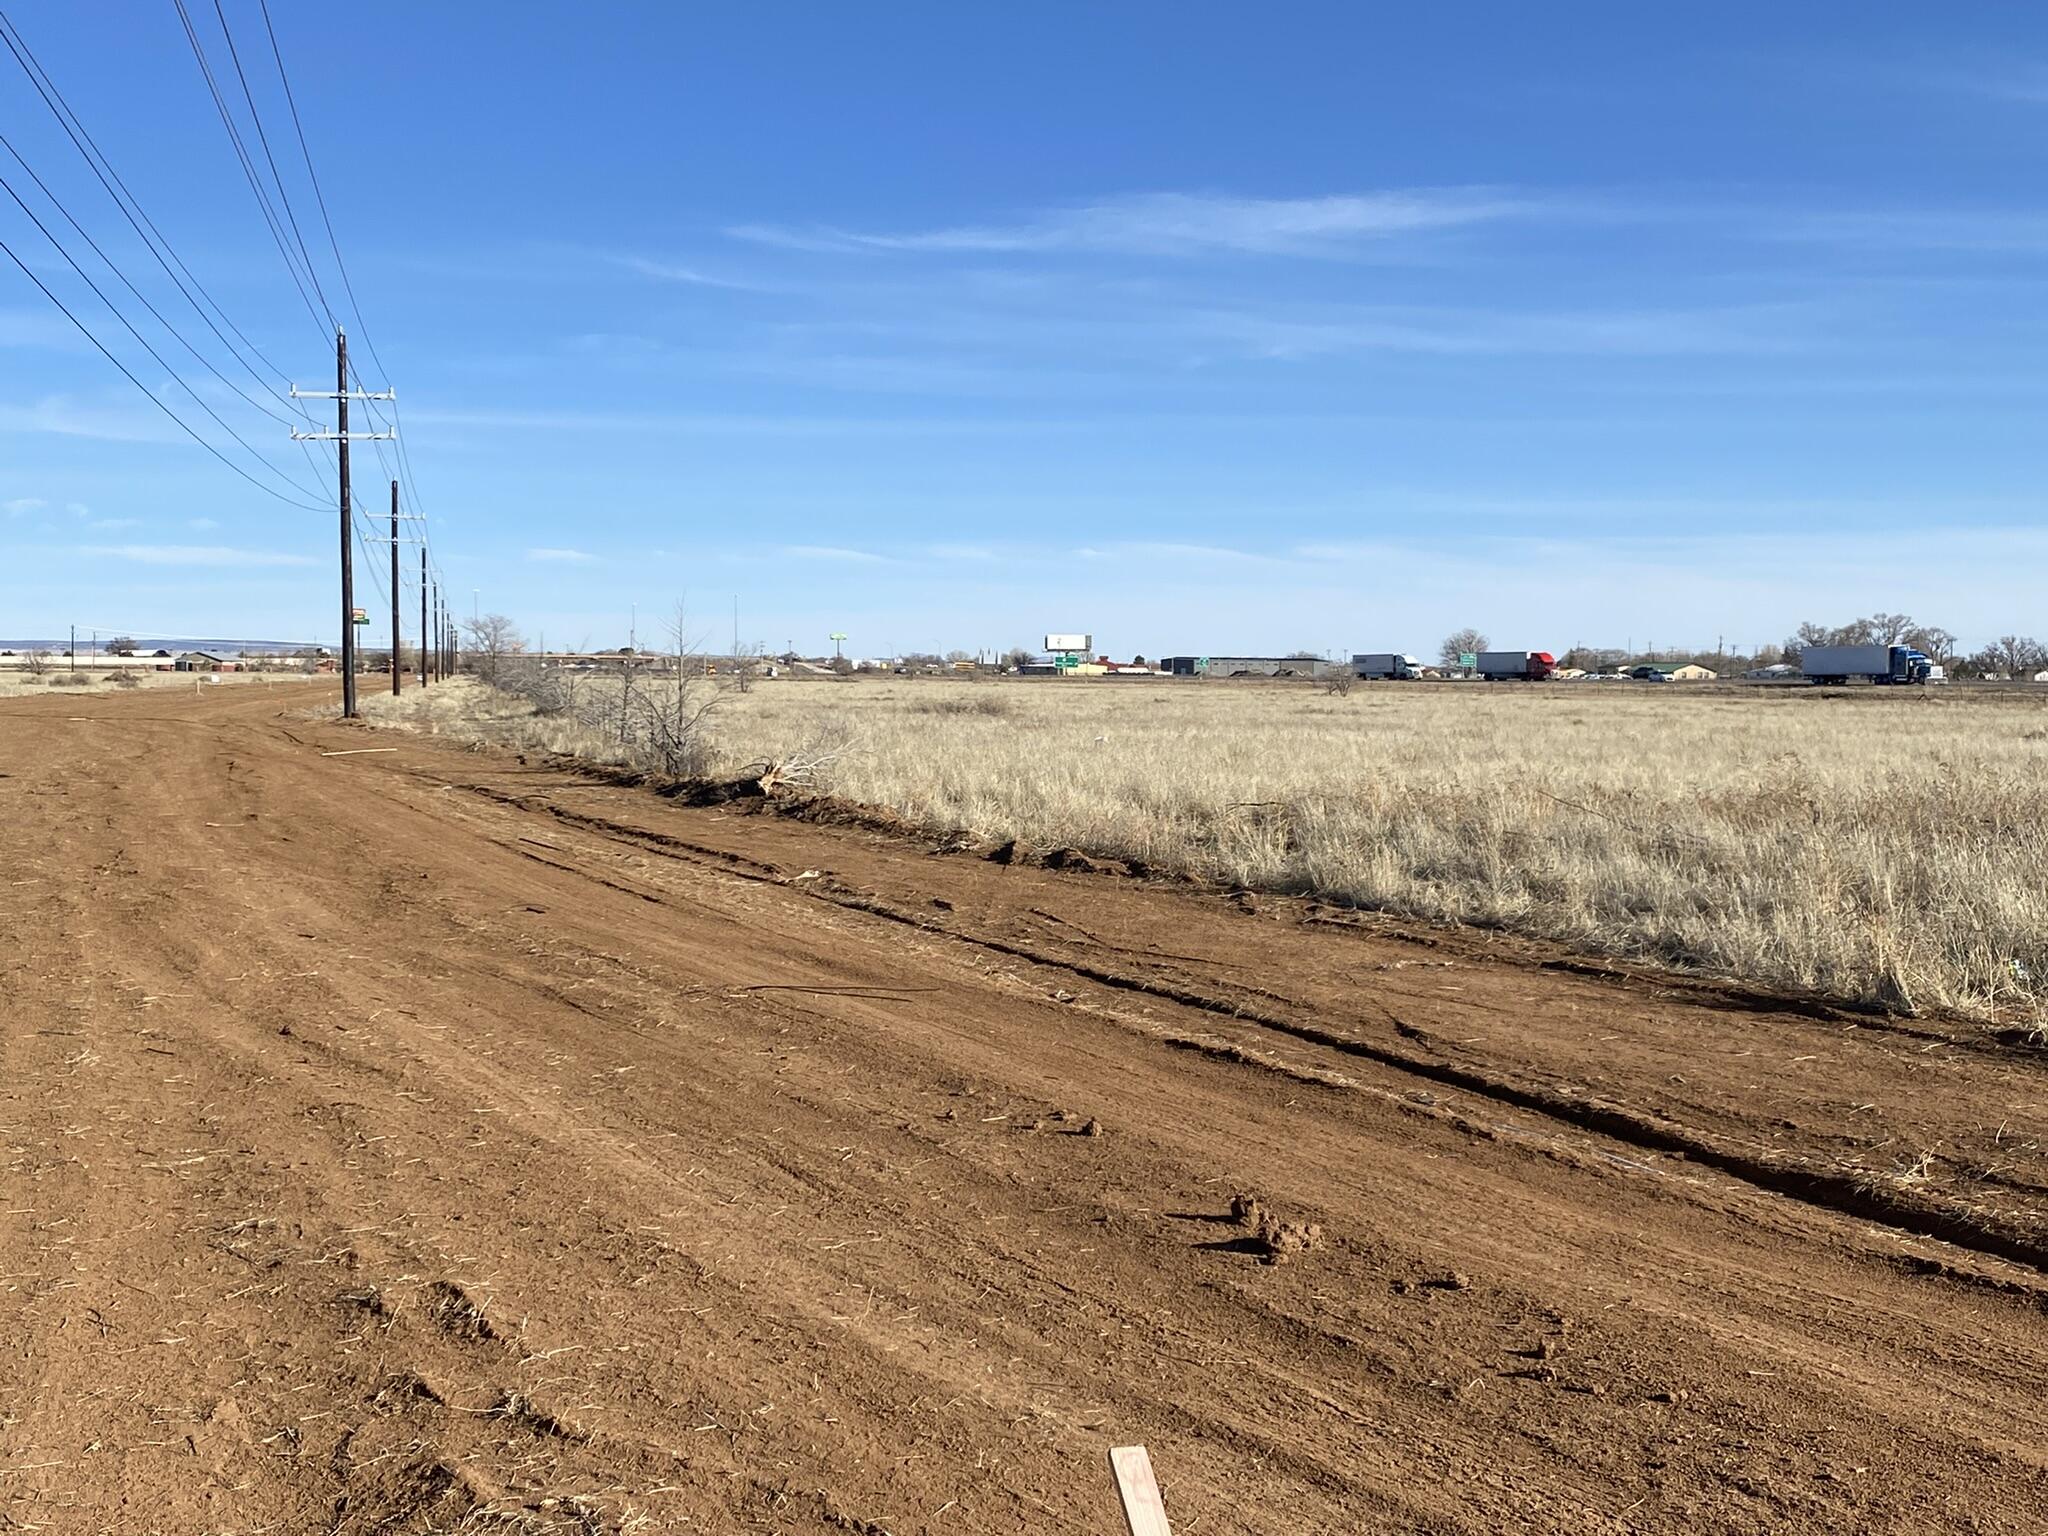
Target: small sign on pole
358	616
1468	659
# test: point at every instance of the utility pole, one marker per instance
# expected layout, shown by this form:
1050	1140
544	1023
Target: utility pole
423	613
340	435
395	635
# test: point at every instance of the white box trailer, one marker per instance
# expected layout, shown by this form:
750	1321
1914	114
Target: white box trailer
1385	664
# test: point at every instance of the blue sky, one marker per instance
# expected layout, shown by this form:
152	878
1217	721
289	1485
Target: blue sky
1197	327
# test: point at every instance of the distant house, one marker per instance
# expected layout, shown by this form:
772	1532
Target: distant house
203	661
1693	672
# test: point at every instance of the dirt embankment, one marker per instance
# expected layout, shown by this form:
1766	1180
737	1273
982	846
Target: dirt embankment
419	1140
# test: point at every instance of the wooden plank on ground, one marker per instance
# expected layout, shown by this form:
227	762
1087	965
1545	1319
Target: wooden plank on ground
1144	1509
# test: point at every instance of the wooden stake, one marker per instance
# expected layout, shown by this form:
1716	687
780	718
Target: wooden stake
1144	1510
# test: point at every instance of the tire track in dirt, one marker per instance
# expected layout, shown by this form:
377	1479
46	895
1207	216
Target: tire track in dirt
1847	1195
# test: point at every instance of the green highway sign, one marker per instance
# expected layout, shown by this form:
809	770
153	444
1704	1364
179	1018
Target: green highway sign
1467	660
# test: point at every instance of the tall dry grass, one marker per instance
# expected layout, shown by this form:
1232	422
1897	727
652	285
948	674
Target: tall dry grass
1877	847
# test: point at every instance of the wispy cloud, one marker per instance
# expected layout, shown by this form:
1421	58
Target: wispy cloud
1987	231
202	524
674	272
2024	81
35	328
1179	223
196	555
63	416
715	425
1757	328
833	552
22	504
109	524
561	556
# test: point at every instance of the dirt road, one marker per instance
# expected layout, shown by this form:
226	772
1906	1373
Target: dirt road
421	1140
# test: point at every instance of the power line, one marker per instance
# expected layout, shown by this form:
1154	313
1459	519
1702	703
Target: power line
153	400
8	187
270	217
113	267
262	138
404	456
153	238
334	244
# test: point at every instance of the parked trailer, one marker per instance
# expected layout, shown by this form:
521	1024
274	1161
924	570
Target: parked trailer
1522	666
1385	664
1872	663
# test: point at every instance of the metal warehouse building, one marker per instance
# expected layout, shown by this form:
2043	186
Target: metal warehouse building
1251	666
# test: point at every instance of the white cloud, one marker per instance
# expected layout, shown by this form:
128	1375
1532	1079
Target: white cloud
1980	230
62	416
671	272
35	328
196	554
21	504
832	552
561	556
202	524
1179	223
1745	329
78	509
109	524
2021	81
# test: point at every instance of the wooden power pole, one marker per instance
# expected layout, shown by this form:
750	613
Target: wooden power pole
396	636
340	435
423	613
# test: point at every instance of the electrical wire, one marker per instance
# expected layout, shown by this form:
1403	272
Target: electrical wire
8	187
153	238
114	267
334	244
131	208
183	426
263	139
270	218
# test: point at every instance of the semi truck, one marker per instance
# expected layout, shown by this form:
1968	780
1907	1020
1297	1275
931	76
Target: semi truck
1385	664
1872	663
1522	666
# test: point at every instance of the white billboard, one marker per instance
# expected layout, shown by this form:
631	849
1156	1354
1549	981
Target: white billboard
1077	643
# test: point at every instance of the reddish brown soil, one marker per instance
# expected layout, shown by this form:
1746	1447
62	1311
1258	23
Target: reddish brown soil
428	1141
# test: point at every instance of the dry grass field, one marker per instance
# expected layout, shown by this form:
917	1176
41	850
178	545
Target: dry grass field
1870	847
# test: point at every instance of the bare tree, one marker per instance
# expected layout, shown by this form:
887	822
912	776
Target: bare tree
36	662
1460	643
1805	638
2016	656
1937	642
493	639
1890	628
1017	656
